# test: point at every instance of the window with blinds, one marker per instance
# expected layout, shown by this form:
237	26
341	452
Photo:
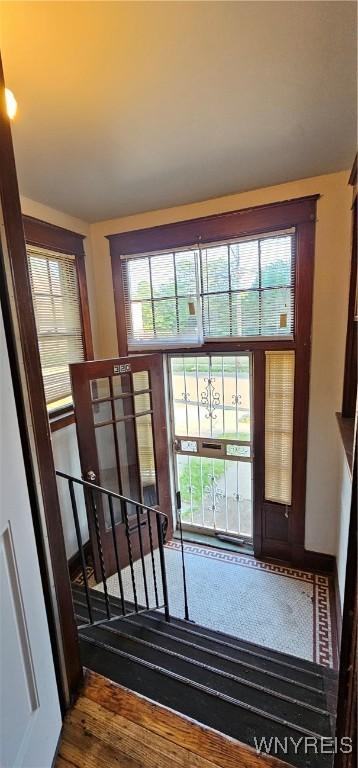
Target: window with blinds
162	299
279	401
55	296
248	287
240	289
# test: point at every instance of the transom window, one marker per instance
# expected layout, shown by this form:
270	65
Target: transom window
243	288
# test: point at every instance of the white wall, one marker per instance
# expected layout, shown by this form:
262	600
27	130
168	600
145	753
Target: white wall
66	458
332	263
344	509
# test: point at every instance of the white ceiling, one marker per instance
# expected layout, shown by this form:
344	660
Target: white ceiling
131	106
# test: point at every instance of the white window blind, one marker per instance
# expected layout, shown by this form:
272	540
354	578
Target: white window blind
162	299
56	304
248	287
244	288
279	401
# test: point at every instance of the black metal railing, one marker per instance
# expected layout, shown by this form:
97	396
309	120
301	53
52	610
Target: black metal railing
152	570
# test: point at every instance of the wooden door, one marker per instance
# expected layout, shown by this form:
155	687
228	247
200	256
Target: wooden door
121	428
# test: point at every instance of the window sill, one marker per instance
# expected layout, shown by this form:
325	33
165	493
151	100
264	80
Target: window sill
60	419
346	429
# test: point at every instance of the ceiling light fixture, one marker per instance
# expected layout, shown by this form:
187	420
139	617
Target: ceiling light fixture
11	103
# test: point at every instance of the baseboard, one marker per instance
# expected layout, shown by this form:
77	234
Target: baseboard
318	561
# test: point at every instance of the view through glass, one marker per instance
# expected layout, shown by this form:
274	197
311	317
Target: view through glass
211	415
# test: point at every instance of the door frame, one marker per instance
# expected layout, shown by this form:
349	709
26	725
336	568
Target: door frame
248	540
21	336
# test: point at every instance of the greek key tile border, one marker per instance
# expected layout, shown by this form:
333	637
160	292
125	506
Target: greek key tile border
322	641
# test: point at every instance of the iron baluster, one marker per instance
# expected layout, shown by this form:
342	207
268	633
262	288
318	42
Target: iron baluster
80	547
142	557
100	552
186	607
163	568
130	555
116	553
152	558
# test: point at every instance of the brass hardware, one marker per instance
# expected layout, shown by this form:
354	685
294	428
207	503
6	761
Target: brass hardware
91	476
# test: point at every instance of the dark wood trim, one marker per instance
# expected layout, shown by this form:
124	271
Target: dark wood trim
222	346
274	534
338	607
28	338
346	430
222	226
346	725
62	421
317	561
85	313
44	235
350	360
353	177
303	324
258	375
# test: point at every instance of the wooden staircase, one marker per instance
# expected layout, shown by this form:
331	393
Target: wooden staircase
242	690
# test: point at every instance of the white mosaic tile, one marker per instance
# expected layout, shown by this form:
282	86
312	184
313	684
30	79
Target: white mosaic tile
271	605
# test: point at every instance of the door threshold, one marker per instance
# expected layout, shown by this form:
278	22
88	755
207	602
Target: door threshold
191	537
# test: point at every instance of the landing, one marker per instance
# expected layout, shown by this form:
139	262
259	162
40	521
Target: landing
271	605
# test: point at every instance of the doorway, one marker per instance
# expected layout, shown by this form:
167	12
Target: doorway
211	424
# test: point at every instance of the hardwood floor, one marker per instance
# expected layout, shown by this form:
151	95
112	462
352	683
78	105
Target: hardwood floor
111	727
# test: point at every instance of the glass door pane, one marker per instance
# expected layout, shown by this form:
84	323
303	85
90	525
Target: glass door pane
211	417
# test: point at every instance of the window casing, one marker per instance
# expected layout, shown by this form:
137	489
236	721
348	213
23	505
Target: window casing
57	272
240	289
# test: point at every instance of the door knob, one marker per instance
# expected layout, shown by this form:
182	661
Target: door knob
91	476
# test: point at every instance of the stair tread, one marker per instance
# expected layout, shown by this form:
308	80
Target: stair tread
303	668
284	708
220	661
197	701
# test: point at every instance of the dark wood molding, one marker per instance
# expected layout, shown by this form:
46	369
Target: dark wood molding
317	561
350	360
353	177
62	421
346	725
85	313
258	447
275	535
303	324
338	608
346	430
222	226
46	235
28	339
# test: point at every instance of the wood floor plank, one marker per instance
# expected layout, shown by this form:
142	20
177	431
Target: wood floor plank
132	739
62	763
84	750
179	729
